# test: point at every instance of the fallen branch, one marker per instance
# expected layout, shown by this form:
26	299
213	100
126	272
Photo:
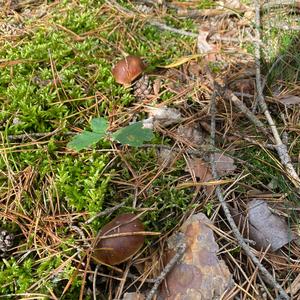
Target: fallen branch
281	149
37	135
163	26
229	95
179	253
227	212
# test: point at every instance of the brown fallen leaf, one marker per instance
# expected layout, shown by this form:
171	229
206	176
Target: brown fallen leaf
200	169
266	228
191	133
200	275
133	296
289	100
205	48
232	5
224	164
162	116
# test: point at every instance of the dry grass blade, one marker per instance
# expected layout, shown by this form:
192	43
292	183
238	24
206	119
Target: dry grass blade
227	212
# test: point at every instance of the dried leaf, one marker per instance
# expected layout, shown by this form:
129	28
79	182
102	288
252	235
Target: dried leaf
200	275
182	60
295	286
133	296
191	133
225	164
204	47
232	4
163	116
267	228
289	100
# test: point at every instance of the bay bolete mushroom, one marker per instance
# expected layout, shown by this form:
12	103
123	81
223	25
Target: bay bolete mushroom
128	69
119	240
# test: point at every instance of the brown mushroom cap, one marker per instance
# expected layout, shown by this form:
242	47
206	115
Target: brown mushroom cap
128	69
117	249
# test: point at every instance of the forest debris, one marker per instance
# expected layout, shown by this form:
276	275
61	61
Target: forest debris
133	296
204	47
225	164
295	286
166	157
289	100
191	132
232	5
180	61
201	169
162	116
200	274
266	228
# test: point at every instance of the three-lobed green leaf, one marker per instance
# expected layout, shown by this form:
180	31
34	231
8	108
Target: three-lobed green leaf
99	125
84	140
133	135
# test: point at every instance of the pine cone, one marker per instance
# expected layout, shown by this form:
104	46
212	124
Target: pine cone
6	241
142	88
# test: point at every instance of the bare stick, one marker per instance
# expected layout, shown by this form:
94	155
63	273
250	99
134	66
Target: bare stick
281	149
227	94
179	253
94	282
163	26
226	209
37	135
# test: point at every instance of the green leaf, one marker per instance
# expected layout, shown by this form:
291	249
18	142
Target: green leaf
134	135
84	140
99	125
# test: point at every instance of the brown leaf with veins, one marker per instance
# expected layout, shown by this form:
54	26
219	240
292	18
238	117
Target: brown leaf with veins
200	275
133	296
267	228
289	100
205	48
201	169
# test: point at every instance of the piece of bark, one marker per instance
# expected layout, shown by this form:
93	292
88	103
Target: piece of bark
200	275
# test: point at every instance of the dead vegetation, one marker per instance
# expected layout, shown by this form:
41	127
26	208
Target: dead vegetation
217	189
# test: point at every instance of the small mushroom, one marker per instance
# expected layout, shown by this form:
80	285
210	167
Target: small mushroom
128	69
123	243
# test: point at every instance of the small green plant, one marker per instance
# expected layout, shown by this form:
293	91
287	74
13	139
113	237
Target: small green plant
133	135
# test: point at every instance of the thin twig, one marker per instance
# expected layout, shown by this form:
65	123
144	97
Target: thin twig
228	94
163	26
36	135
179	253
94	282
105	212
226	209
281	149
82	235
280	4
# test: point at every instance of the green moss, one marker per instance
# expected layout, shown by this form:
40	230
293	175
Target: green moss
81	182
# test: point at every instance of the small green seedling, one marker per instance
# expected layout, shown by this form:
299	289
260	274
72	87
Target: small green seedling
133	135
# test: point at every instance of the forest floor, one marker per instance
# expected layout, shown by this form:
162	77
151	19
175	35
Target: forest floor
227	84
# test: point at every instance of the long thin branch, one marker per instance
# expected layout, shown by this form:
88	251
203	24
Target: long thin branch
226	209
179	253
281	149
162	26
